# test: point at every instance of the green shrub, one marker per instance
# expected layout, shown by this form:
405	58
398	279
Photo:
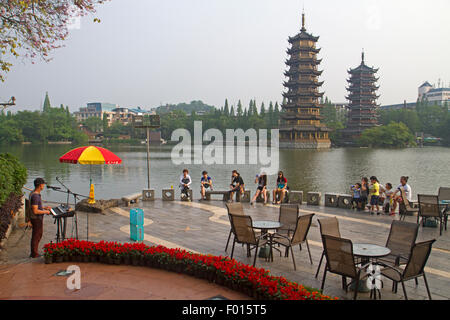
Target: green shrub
13	176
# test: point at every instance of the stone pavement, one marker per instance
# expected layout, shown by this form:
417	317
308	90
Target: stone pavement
203	227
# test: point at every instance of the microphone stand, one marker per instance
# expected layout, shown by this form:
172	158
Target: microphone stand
75	198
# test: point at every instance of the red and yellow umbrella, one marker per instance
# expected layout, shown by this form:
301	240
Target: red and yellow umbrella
90	155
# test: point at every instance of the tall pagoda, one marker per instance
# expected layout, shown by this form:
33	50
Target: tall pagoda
362	101
300	126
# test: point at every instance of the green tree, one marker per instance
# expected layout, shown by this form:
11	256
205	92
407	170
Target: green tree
394	135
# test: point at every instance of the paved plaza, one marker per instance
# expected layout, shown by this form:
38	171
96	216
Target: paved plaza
203	227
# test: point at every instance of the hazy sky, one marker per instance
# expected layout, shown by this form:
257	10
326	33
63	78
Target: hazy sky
147	52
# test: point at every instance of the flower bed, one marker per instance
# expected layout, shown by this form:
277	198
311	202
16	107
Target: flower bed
255	282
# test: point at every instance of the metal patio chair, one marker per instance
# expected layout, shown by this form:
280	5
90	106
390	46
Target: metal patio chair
415	266
328	226
429	208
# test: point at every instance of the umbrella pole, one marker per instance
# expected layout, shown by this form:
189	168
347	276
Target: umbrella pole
87	214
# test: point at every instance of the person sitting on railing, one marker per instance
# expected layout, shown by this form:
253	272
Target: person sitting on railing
185	182
261	180
237	184
281	188
206	183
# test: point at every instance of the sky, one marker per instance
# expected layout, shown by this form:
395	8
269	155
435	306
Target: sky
148	52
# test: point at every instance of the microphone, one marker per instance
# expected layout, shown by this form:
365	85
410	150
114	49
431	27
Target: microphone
54	188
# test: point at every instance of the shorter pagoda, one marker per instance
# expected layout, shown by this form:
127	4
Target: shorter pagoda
362	102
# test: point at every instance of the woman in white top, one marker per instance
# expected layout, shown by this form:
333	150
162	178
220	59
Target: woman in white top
398	198
185	182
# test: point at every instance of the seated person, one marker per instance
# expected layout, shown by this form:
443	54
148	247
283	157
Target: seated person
237	184
261	180
280	189
356	199
206	183
185	182
397	195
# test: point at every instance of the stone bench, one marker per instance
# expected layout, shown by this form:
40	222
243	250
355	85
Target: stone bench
148	195
296	196
260	197
226	194
345	201
313	198
168	194
243	197
331	199
189	194
131	197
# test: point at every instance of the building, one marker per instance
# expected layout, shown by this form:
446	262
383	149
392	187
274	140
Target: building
112	112
435	96
362	98
426	93
300	126
125	115
96	109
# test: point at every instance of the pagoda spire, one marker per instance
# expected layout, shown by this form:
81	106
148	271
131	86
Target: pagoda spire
303	20
362	56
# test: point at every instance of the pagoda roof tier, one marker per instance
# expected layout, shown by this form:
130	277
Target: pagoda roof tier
312	83
357	96
303	128
304	94
301	116
368	80
295	60
363	68
365	107
294	50
302	71
302	105
364	88
303	36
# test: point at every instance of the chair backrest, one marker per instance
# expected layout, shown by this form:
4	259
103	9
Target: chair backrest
339	254
242	227
288	216
302	228
418	258
235	208
330	226
428	205
405	199
444	193
402	237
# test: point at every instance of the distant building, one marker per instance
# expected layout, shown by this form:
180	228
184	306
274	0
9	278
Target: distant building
96	109
426	92
112	112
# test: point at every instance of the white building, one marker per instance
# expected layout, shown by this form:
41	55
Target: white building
434	95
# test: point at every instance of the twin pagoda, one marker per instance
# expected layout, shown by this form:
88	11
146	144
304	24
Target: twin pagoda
300	122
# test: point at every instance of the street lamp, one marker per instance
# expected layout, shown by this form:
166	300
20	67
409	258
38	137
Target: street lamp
11	102
147	122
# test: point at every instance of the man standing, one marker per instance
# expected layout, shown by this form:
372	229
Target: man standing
37	216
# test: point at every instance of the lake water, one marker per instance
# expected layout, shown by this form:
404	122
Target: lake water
332	170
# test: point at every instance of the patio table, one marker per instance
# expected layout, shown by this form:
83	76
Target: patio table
369	253
265	226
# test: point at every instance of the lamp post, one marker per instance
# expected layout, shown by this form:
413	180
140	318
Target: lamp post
147	122
11	102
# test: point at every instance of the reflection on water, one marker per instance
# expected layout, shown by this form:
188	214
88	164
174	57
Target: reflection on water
332	170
